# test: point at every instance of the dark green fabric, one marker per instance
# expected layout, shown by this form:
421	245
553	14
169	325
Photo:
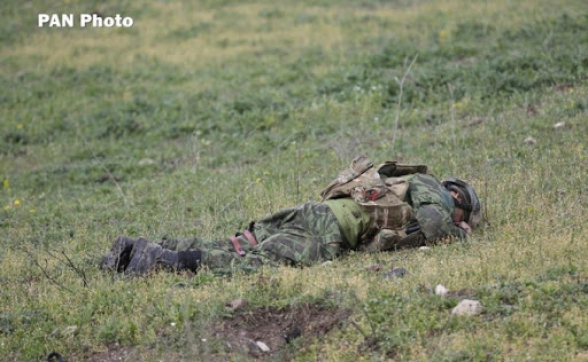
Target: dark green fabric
353	219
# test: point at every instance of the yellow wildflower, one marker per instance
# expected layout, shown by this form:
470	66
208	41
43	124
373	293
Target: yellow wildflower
19	126
16	202
442	36
5	183
462	103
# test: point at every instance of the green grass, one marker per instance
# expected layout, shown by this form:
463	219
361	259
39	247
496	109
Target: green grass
204	116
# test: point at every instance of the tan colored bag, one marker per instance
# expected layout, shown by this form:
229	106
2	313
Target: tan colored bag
380	190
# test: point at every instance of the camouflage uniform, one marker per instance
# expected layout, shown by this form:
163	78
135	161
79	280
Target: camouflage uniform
301	235
316	232
433	207
312	232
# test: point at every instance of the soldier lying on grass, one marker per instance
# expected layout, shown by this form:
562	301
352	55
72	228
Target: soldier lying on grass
367	208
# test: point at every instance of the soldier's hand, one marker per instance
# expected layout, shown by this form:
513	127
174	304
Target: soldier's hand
464	225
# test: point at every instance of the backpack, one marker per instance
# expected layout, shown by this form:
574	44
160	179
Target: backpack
380	190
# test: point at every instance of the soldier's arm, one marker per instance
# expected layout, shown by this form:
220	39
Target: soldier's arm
385	240
436	223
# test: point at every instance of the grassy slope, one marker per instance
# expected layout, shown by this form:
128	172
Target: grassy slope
245	108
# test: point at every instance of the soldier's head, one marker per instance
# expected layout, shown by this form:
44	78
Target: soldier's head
466	201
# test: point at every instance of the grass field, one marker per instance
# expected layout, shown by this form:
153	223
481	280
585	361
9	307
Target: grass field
206	115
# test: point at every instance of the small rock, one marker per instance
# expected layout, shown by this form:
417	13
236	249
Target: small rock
236	304
467	307
424	248
396	273
559	125
530	141
264	348
146	162
441	290
70	330
327	263
253	348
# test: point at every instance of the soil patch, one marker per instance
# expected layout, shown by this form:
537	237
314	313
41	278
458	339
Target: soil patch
114	354
277	327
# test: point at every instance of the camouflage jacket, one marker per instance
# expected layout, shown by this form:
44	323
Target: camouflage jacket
433	208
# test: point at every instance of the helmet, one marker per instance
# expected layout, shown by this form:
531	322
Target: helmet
470	202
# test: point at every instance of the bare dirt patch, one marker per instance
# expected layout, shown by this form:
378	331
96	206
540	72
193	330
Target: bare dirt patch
117	353
114	354
276	327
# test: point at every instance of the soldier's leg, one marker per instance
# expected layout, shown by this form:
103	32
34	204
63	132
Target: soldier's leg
303	235
136	256
196	243
228	262
219	256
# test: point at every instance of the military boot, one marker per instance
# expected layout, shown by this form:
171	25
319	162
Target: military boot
144	257
119	255
147	255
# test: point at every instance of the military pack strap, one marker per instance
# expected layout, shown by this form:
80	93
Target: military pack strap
395	169
250	237
237	246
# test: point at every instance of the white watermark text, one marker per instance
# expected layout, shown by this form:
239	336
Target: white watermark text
83	21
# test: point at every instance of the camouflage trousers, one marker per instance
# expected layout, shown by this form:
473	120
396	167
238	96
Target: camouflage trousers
302	235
